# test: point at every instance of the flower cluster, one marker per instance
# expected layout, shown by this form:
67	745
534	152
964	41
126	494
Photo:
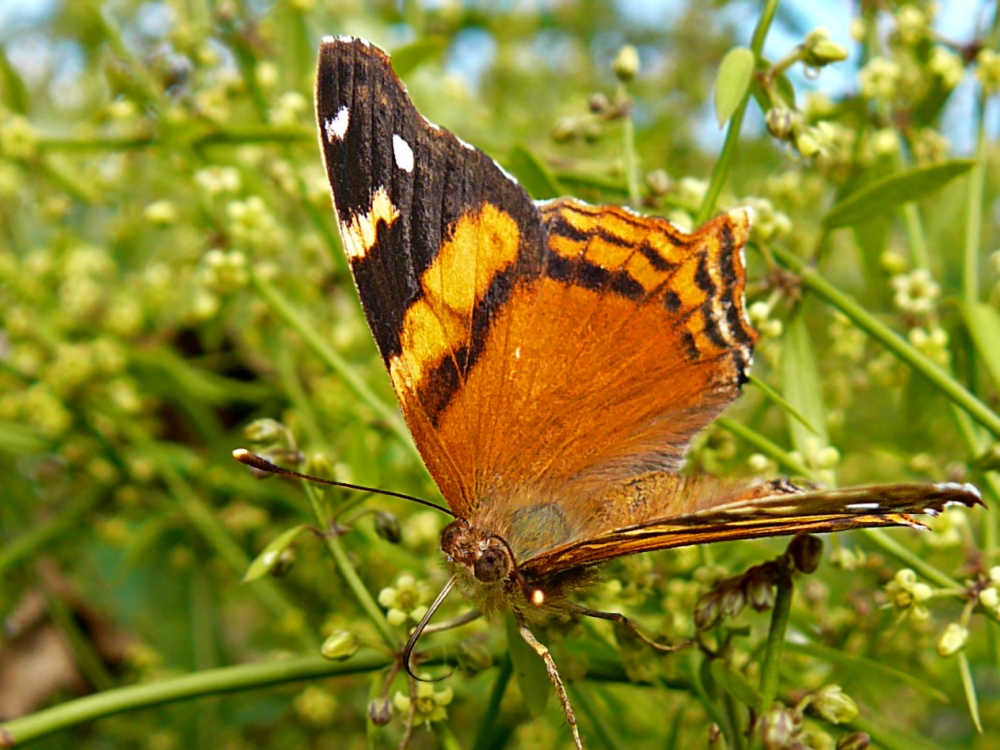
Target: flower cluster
908	595
407	600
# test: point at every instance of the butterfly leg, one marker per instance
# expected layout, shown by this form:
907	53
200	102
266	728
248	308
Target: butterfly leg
623	620
557	683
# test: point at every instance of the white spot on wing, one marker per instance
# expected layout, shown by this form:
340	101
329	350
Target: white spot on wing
403	153
862	506
336	126
345	39
432	125
464	144
505	173
328	39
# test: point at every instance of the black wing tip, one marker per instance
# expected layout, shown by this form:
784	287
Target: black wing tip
954	493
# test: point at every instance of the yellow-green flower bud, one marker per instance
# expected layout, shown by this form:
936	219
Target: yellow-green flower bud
834	705
778	727
626	63
952	640
380	711
340	646
819	49
780	122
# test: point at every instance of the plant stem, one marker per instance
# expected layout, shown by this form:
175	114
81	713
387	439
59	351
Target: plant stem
974	213
338	364
348	573
209	682
765	446
628	148
775	641
887	544
812	280
722	166
487	728
66	520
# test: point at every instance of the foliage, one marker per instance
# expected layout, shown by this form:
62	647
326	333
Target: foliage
171	275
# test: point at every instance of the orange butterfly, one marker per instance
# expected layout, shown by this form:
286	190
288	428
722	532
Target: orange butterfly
553	359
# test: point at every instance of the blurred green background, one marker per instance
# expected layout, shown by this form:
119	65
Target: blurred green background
170	272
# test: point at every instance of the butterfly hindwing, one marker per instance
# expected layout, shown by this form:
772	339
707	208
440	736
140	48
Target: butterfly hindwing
707	509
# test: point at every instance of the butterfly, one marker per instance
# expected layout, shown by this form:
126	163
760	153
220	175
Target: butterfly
553	359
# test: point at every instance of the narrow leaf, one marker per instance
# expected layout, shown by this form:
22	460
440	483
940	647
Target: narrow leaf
970	691
266	560
983	323
735	684
889	193
533	174
868	668
801	383
529	669
781	402
732	83
411	56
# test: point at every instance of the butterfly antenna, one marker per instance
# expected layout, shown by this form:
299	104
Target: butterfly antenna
419	630
259	463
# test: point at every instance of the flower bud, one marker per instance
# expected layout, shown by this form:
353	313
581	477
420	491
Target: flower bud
708	611
658	181
380	711
834	705
733	600
759	588
778	727
387	527
779	122
854	741
565	130
264	431
626	63
953	639
598	103
340	646
806	551
819	49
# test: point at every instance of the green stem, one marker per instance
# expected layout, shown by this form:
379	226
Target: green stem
324	351
487	728
722	166
889	545
200	684
969	686
775	642
974	213
765	446
628	148
812	280
211	530
65	521
349	574
224	680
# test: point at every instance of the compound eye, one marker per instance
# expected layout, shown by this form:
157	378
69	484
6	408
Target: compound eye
451	534
492	565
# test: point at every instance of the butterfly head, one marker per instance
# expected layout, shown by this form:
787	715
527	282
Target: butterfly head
485	557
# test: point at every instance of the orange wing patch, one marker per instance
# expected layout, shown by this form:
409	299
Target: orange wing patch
438	324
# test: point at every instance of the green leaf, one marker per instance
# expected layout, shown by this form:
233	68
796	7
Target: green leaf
410	56
969	686
266	560
781	402
734	684
801	383
732	83
983	323
533	174
15	93
869	669
889	193
529	669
